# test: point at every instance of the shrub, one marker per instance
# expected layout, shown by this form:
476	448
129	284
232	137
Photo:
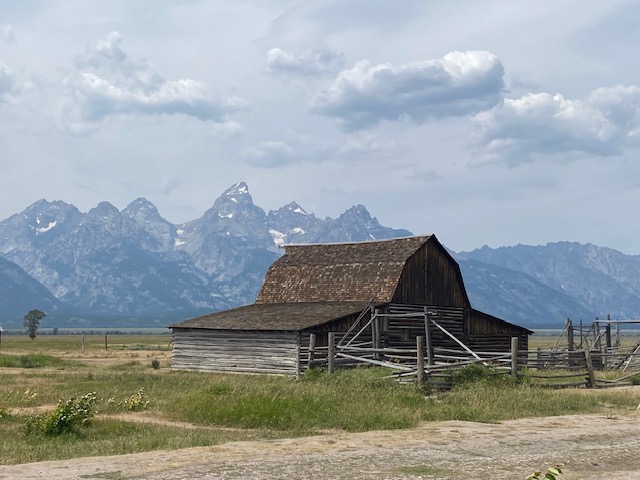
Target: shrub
479	374
4	414
25	362
66	417
155	364
551	474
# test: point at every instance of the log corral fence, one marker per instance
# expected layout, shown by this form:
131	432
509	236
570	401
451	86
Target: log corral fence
554	367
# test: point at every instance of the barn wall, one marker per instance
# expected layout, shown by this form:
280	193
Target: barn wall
431	277
402	331
235	351
490	334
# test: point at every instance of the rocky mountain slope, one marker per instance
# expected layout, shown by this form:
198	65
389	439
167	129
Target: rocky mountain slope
135	262
603	280
135	266
21	293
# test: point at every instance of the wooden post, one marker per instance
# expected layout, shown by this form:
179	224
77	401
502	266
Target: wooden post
83	343
427	333
420	361
581	345
331	353
607	335
598	344
312	350
618	335
106	345
587	361
514	356
377	338
570	342
0	339
539	359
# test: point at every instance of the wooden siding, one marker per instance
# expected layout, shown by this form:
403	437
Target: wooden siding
235	351
402	331
484	324
497	342
431	277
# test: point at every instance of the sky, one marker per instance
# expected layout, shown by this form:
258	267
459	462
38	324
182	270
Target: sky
485	123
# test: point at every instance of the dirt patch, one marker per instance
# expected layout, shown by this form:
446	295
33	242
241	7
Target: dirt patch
588	447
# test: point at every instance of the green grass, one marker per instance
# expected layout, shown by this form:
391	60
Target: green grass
73	343
258	406
33	360
103	437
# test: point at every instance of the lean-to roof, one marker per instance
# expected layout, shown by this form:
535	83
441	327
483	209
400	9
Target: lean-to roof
275	316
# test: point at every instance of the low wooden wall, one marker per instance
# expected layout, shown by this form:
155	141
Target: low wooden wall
235	351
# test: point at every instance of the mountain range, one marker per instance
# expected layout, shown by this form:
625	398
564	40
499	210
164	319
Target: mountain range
132	267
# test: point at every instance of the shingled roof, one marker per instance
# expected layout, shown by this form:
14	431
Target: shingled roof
275	316
338	272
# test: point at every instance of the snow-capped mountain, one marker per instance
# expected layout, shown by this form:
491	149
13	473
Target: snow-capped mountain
134	263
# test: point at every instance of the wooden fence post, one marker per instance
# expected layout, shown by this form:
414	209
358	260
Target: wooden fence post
83	343
570	342
427	333
514	356
376	326
106	345
420	359
589	364
312	350
331	353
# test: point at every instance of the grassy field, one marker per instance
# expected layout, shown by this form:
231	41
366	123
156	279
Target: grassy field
187	409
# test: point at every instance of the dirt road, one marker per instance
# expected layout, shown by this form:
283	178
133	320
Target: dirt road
587	446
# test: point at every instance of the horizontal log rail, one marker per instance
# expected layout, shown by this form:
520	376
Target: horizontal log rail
548	368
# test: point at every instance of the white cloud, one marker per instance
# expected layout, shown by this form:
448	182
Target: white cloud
110	83
6	33
460	83
307	63
542	124
269	154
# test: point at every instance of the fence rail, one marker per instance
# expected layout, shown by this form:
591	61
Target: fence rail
546	367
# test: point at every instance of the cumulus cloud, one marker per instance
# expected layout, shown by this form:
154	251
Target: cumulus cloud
108	82
541	124
307	63
269	154
460	83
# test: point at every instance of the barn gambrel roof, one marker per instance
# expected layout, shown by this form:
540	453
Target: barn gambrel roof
341	272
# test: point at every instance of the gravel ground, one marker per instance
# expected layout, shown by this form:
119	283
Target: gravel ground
587	447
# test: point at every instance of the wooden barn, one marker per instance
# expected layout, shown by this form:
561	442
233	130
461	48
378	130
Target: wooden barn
382	293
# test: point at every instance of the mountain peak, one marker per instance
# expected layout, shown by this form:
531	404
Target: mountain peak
140	207
359	211
295	208
104	209
236	189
